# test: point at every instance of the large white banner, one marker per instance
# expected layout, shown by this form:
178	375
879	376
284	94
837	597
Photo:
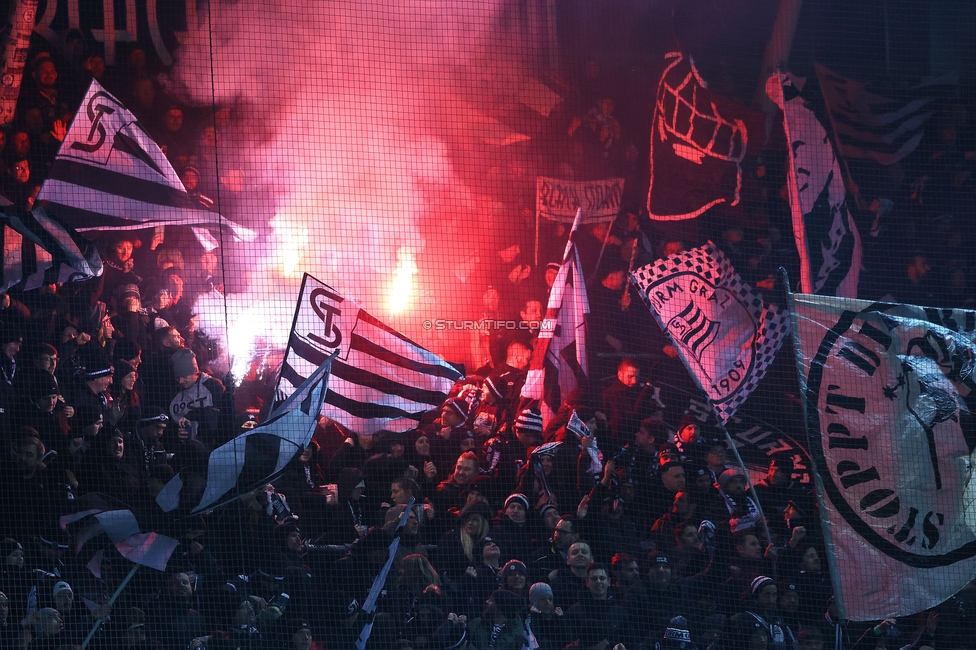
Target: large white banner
890	402
724	332
558	200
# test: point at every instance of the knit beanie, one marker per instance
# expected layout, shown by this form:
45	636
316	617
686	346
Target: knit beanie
538	591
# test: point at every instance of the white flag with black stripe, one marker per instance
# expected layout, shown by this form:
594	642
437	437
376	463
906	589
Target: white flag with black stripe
110	174
380	378
38	250
826	235
254	458
870	126
724	332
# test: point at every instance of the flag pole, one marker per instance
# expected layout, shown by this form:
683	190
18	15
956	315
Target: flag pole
835	581
599	257
679	349
369	606
111	601
738	459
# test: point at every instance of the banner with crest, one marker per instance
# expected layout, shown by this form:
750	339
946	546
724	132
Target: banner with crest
891	399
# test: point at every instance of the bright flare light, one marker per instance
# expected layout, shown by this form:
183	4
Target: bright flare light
402	286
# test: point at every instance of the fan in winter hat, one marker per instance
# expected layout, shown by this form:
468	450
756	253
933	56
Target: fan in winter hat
184	363
676	635
458	405
726	476
529	423
514	566
759	582
518	497
538	591
97	367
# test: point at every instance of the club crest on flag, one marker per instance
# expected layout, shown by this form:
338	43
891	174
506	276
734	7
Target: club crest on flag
722	330
694	330
892	422
324	325
380	379
883	367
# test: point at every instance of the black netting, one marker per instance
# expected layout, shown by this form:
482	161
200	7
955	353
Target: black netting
298	349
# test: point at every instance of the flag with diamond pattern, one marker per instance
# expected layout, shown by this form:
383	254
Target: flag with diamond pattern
724	332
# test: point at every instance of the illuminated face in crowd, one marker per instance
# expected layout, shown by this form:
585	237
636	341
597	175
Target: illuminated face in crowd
749	548
123	250
46	74
579	556
628	375
515	511
464	471
21	171
598	583
115	447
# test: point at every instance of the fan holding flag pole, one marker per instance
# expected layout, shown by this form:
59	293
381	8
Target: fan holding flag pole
723	331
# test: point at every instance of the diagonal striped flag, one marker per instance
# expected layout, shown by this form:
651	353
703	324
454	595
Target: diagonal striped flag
559	363
109	173
867	125
256	457
380	378
724	332
38	250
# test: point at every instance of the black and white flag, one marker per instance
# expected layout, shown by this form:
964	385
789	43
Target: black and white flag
699	141
256	457
39	250
826	235
891	417
559	362
100	519
380	378
110	174
724	332
870	126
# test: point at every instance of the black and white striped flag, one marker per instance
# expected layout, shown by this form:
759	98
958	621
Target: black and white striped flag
870	126
380	378
256	457
38	250
109	173
723	331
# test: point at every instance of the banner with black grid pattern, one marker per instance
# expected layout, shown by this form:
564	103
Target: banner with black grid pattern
723	331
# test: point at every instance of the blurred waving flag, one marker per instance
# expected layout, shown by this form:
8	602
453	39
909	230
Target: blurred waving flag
102	520
826	235
256	457
867	125
39	250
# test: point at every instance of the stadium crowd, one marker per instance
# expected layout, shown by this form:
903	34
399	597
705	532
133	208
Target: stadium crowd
617	530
